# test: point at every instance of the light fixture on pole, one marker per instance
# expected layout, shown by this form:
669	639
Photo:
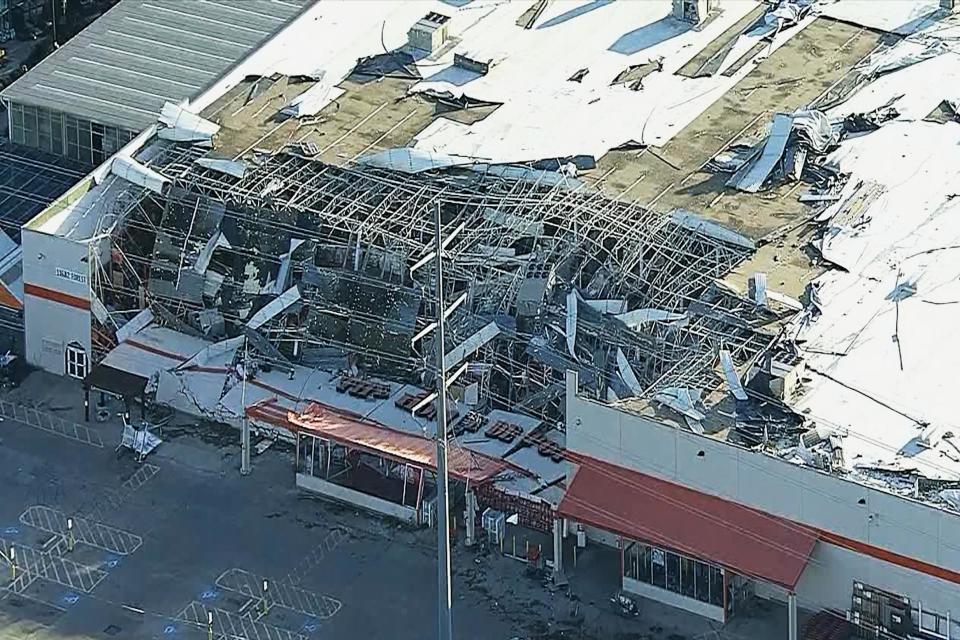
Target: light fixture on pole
444	621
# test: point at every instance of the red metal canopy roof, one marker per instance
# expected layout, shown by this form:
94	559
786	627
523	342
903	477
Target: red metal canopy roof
357	432
641	507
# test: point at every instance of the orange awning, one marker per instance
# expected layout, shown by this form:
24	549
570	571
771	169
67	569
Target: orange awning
373	437
645	508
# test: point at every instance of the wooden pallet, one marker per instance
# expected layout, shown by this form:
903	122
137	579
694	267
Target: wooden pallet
363	387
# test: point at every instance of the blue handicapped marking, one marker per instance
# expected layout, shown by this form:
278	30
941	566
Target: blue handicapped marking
11	531
169	630
309	626
113	561
209	594
71	598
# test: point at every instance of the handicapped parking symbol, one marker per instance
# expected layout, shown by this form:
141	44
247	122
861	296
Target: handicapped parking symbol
169	630
113	561
209	594
309	626
11	531
71	598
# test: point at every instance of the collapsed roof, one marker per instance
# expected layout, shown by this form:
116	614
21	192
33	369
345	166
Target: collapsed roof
309	259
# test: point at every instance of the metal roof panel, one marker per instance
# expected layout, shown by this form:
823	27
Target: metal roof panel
122	68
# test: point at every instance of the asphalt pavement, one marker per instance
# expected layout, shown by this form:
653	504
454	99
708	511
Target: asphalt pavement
160	544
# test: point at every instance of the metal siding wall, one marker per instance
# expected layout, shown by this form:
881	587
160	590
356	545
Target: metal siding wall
47	322
767	489
778	487
950	542
918	536
828	581
700	472
827	501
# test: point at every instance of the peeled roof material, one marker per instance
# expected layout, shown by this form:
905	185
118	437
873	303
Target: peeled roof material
543	114
180	125
409	160
132	171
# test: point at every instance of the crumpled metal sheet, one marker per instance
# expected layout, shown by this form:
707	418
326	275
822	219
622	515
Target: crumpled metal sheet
814	126
683	400
951	497
730	374
903	54
750	177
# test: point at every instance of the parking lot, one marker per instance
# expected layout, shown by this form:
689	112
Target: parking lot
160	544
159	547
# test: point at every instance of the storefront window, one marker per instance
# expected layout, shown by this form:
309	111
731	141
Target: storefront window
686	577
659	568
716	586
701	574
673	572
645	561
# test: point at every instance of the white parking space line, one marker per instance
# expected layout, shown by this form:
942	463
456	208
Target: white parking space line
85	531
233	625
33	564
50	423
280	593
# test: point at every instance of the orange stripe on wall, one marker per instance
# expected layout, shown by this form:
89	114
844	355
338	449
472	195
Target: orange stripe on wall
836	540
889	556
56	296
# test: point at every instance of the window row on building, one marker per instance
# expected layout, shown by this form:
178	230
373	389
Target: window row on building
674	572
65	135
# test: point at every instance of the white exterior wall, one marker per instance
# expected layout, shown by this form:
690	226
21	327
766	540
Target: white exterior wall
357	498
801	494
673	599
48	325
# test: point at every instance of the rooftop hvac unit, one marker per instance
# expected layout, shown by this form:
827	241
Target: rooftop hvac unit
949	5
429	33
694	11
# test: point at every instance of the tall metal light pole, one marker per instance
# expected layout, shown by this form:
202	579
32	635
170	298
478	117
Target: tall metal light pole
245	424
444	620
53	12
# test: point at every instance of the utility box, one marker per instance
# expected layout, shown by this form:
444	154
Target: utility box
429	33
694	11
949	5
473	64
494	523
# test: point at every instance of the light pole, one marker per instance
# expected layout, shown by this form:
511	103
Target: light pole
53	13
245	424
445	623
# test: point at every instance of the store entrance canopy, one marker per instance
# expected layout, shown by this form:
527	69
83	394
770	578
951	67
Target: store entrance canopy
655	511
359	433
